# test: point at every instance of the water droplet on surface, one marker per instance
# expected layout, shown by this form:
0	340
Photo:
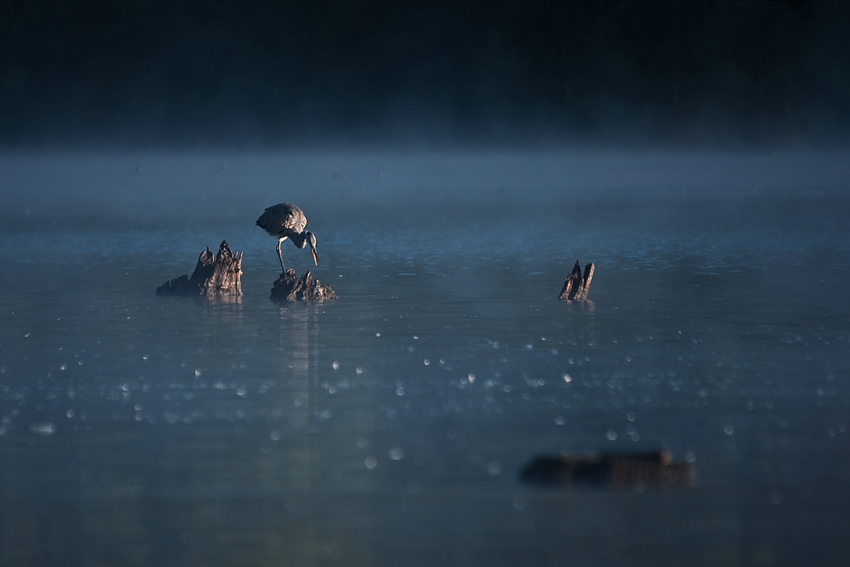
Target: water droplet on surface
568	378
359	370
362	442
70	413
611	435
371	462
631	416
377	334
470	377
426	362
335	365
45	428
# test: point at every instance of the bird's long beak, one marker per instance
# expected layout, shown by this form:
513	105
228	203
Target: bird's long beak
315	257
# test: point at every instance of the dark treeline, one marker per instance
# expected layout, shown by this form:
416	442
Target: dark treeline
223	73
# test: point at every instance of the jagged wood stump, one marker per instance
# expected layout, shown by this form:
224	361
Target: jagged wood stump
215	276
576	286
618	471
289	287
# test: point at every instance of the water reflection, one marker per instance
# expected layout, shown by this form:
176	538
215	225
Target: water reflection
299	343
389	427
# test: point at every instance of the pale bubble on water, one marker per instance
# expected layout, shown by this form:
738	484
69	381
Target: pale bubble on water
568	378
426	362
611	435
729	429
45	428
690	457
362	442
275	435
335	365
359	370
396	454
198	372
371	462
470	377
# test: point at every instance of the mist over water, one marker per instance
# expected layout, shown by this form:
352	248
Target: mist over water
390	426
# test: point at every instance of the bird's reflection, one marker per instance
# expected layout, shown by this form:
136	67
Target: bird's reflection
299	345
299	374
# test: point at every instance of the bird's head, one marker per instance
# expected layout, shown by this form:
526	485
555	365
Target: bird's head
311	240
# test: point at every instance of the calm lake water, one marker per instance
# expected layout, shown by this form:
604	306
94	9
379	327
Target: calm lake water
389	427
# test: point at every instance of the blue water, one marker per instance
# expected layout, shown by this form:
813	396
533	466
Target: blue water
389	427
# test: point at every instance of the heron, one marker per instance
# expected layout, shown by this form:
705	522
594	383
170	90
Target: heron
288	221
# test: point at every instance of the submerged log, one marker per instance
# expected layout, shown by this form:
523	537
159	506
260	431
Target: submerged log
215	276
289	287
576	286
653	470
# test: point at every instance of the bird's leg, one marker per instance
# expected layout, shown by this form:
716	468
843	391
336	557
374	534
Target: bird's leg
282	269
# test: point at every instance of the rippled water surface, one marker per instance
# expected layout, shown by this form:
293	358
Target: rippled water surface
389	427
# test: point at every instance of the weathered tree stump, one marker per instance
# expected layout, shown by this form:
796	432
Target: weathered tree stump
652	470
215	276
289	287
576	286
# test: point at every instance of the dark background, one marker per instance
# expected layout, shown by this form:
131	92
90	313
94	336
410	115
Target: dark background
385	73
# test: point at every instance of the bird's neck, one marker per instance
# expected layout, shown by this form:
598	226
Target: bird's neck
300	239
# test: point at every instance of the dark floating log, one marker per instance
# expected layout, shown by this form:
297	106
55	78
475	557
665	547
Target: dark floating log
653	470
289	287
576	286
215	276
